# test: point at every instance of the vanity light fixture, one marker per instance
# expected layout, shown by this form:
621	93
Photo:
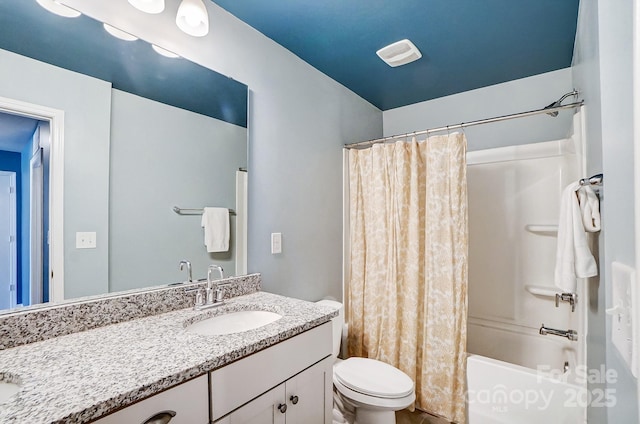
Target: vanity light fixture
192	18
148	6
164	52
118	33
59	9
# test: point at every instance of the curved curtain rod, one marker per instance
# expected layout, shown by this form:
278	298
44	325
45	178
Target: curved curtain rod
553	107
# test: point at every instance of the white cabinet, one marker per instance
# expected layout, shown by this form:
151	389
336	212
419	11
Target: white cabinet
187	403
288	383
309	395
303	399
264	409
296	373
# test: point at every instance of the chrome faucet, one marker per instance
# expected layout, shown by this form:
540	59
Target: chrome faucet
186	263
213	292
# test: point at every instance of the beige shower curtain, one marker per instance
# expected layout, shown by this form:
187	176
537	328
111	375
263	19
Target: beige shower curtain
407	289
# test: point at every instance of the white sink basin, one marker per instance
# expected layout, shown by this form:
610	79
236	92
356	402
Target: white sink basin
233	322
7	390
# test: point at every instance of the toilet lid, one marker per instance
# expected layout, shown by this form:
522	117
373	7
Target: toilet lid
373	378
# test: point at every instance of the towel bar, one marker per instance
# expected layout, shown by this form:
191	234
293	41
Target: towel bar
593	180
192	211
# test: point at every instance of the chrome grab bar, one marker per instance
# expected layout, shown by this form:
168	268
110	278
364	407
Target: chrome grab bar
569	334
572	298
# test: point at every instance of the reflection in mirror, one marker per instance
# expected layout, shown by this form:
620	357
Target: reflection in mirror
141	133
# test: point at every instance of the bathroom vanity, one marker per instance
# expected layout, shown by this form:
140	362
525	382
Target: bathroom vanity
155	368
283	383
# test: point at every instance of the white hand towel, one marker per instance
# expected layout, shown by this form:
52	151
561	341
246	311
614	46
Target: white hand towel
573	257
215	222
590	209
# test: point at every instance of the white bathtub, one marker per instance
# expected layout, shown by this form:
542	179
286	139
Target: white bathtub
499	392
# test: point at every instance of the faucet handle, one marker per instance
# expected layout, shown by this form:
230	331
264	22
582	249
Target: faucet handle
199	298
219	295
572	298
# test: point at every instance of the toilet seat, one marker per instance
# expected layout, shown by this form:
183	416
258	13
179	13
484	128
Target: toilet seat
373	382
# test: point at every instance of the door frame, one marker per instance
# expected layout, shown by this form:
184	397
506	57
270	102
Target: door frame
13	242
636	166
37	237
55	117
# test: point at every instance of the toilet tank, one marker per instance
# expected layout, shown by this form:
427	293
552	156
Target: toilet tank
337	323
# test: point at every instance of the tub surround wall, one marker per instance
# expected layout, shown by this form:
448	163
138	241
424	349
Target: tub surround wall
511	262
83	376
42	323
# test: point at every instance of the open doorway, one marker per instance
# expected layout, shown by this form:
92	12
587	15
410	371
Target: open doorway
24	215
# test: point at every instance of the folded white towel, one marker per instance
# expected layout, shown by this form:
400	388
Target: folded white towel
215	222
573	256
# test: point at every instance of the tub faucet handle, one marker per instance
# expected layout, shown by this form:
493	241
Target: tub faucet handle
572	298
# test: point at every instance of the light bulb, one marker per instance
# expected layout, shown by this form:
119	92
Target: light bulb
192	18
148	6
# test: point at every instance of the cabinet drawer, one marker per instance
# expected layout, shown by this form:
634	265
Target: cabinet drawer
189	401
246	379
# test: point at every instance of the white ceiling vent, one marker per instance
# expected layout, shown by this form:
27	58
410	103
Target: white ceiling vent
399	53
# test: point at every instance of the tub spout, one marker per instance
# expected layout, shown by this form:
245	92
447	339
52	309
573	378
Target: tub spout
569	334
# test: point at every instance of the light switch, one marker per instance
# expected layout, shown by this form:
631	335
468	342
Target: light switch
622	312
276	243
86	240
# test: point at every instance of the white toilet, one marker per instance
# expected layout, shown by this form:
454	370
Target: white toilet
374	389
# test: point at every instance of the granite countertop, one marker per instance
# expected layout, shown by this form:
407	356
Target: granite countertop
83	376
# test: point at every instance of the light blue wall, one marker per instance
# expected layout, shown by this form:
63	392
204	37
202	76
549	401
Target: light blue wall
502	99
163	156
603	70
298	121
86	102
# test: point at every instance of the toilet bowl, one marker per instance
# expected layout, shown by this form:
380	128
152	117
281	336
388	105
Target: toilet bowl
375	390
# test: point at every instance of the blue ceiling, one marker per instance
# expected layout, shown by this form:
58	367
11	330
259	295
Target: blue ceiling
82	45
466	44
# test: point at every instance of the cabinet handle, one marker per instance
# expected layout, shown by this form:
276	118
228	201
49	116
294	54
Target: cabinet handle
160	418
294	399
282	407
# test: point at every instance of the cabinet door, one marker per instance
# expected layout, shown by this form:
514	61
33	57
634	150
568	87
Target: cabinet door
262	410
309	395
187	403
